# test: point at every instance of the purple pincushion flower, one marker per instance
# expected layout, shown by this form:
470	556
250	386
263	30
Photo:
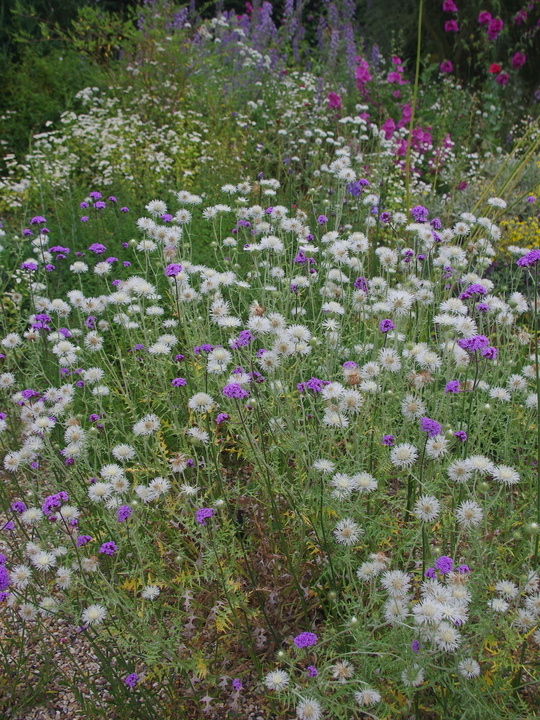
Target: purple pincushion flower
305	639
444	564
221	418
531	258
131	680
108	548
178	382
388	440
312	671
453	386
202	515
386	325
97	248
235	391
4	579
419	213
82	540
123	513
461	435
237	684
431	427
430	573
490	353
18	506
173	269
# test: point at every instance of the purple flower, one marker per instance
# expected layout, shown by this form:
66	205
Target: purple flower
531	258
131	680
482	307
312	671
4	578
322	219
451	26
173	269
82	540
236	391
463	569
446	66
494	29
461	435
123	513
444	564
237	684
431	427
531	199
388	440
37	219
452	387
430	573
361	284
97	248
386	325
415	646
100	205
419	213
10	525
178	382
179	357
95	195
54	501
305	639
112	199
124	209
108	548
202	515
490	353
18	506
31	266
85	218
449	6
472	344
84	205
221	418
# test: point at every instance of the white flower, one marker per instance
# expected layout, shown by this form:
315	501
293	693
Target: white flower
276	680
469	514
308	709
347	532
365	483
505	475
436	446
147	425
404	455
469	668
94	615
396	583
150	592
427	508
447	637
507	589
342	671
123	452
201	402
31	516
198	434
367	697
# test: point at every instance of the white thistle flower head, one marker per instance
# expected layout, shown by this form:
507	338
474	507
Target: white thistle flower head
427	508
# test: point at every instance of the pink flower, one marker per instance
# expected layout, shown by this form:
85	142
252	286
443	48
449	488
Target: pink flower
449	6
451	26
502	79
519	60
334	101
362	74
484	18
446	66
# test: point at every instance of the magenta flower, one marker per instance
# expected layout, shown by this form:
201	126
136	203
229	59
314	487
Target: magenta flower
451	26
502	78
484	18
305	639
334	101
518	60
494	28
449	6
446	66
